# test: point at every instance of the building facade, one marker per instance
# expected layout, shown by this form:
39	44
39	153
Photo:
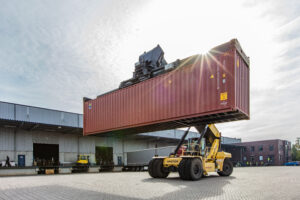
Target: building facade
266	152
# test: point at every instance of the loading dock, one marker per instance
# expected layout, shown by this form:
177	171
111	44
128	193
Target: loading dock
104	157
46	157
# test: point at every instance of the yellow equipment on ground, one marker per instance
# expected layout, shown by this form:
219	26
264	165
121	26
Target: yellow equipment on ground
82	160
196	158
82	164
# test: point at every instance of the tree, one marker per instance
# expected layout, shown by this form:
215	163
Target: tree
295	153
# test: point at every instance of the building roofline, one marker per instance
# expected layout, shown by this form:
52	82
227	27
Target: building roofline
40	107
261	141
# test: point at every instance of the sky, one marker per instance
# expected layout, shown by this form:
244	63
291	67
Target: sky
53	53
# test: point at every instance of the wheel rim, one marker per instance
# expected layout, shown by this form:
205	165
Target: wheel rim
196	169
227	168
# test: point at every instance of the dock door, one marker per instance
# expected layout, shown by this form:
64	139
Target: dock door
104	157
46	154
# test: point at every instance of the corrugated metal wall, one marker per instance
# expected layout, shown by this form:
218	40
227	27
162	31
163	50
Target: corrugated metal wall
6	111
87	145
6	139
68	143
133	145
80	121
45	137
24	113
24	141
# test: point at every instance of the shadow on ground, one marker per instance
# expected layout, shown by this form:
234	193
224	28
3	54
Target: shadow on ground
210	186
57	192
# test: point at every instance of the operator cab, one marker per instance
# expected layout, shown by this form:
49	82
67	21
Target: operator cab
195	148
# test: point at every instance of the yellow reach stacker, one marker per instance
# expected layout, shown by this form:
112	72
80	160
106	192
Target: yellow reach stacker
196	158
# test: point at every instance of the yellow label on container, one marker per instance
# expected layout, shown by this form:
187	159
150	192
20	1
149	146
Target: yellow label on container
223	96
237	62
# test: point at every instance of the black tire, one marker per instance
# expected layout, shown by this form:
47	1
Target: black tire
227	168
159	169
181	169
151	169
196	169
184	169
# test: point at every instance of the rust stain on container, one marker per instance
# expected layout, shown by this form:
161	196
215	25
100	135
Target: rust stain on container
208	88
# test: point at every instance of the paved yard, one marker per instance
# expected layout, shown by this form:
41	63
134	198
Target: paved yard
245	183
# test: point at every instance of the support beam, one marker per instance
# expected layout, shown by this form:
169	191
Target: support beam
202	129
15	145
33	127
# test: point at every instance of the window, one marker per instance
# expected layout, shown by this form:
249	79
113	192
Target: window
271	147
261	158
245	158
280	157
252	148
261	148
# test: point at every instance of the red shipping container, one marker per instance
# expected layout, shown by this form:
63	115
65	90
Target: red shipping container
208	88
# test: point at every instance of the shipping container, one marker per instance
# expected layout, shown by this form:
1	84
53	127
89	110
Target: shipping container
207	88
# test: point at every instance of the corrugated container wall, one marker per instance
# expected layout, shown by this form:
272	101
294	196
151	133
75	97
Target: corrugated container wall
208	88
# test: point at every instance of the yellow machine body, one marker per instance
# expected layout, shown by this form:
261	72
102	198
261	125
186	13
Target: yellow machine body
211	157
83	160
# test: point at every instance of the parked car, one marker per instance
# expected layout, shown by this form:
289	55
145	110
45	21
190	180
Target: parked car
293	163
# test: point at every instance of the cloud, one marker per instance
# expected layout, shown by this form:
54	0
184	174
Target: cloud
274	110
53	53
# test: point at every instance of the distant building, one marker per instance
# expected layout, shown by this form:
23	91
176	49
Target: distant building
266	152
229	140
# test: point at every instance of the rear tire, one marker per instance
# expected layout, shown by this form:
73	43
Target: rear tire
227	168
155	169
159	169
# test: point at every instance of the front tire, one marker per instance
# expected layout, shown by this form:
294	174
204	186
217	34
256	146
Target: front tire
196	169
190	169
227	168
183	169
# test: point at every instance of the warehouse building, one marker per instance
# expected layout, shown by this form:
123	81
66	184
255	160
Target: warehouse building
31	135
28	133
